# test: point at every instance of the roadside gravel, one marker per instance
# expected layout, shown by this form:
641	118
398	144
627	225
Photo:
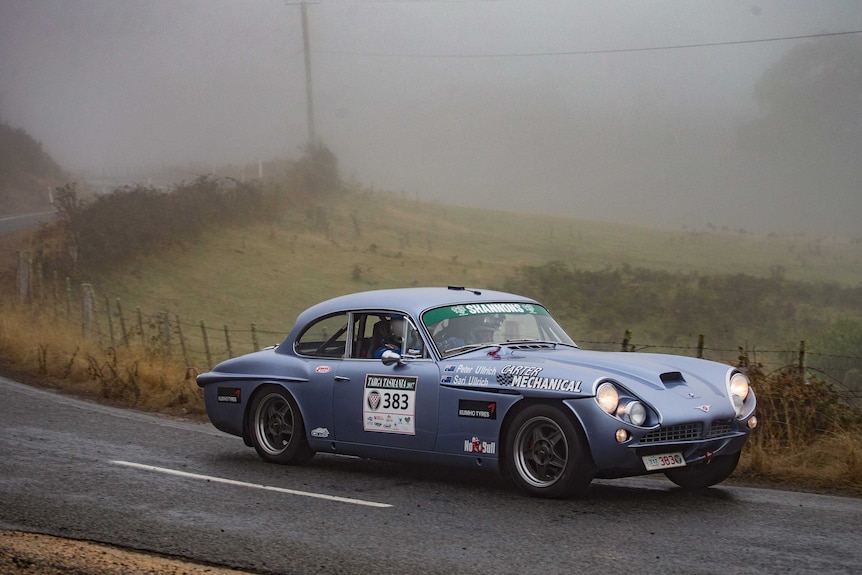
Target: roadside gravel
32	554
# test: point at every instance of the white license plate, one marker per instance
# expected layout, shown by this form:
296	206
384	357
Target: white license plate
663	461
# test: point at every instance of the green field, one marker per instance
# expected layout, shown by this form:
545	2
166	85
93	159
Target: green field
269	272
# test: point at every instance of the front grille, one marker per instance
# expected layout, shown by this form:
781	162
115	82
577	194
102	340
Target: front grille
684	432
720	428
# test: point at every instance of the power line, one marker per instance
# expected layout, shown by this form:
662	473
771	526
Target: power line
593	52
369	2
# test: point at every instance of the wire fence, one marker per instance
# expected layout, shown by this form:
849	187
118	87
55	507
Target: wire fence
202	344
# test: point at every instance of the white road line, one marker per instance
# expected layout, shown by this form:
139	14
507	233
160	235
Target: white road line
253	485
20	216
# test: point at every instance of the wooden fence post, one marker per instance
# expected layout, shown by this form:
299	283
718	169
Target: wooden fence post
183	346
122	323
110	323
254	343
56	292
165	326
227	341
68	298
23	276
39	281
626	339
86	310
700	346
802	367
206	345
141	327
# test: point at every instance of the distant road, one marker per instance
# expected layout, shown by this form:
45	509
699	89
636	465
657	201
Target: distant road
17	222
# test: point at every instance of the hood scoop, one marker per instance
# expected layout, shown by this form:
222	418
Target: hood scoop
672	379
533	345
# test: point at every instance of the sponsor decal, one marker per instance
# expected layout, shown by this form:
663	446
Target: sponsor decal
446	312
477	409
373	399
527	370
527	377
475	446
322	369
703	408
389	404
468	375
470	380
475	308
320	432
390	382
229	395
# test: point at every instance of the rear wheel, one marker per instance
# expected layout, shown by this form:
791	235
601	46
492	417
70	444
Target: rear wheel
546	454
277	430
704	475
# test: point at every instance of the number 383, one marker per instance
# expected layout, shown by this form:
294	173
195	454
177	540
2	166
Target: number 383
396	401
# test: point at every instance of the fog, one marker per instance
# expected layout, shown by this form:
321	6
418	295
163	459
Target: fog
732	114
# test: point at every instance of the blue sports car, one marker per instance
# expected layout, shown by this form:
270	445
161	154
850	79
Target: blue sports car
480	379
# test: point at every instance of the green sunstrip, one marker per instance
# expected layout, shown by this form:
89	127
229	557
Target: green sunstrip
439	314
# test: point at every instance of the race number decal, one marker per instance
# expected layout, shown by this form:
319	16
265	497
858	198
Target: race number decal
389	404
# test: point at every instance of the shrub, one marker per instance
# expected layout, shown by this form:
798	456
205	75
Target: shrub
135	219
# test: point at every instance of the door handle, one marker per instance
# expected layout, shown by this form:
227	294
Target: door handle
341	378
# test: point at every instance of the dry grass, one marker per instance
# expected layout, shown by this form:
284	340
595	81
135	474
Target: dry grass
831	463
34	342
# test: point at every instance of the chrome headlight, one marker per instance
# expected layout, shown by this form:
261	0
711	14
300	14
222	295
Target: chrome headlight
608	397
737	390
636	412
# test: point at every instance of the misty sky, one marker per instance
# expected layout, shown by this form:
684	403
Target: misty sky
620	110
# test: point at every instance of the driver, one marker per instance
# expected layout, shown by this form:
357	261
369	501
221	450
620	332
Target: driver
468	330
391	337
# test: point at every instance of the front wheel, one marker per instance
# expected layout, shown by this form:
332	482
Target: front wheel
277	430
546	454
704	475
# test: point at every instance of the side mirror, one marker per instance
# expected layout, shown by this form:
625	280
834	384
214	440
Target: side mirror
391	357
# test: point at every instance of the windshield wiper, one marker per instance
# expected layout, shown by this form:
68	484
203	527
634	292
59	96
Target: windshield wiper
466	348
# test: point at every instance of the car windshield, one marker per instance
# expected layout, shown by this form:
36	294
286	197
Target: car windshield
459	328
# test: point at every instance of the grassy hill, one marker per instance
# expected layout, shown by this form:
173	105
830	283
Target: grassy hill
268	272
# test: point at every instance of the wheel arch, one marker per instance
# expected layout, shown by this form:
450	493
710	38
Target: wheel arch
523	404
246	415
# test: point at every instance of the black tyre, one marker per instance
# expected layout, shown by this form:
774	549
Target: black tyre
546	454
277	430
704	475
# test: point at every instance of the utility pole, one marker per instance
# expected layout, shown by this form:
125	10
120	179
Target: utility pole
309	98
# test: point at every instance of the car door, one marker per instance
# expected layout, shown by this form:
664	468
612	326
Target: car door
391	405
322	346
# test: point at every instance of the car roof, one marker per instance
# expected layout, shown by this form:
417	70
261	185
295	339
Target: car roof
414	301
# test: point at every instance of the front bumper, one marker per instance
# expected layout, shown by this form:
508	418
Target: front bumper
698	441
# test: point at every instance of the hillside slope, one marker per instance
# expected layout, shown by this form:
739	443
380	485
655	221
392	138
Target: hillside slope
27	172
267	272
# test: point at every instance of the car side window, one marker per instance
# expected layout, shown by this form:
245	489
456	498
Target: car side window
413	345
326	337
375	331
363	331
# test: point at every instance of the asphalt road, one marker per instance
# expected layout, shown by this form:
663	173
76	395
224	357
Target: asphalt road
87	471
16	222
